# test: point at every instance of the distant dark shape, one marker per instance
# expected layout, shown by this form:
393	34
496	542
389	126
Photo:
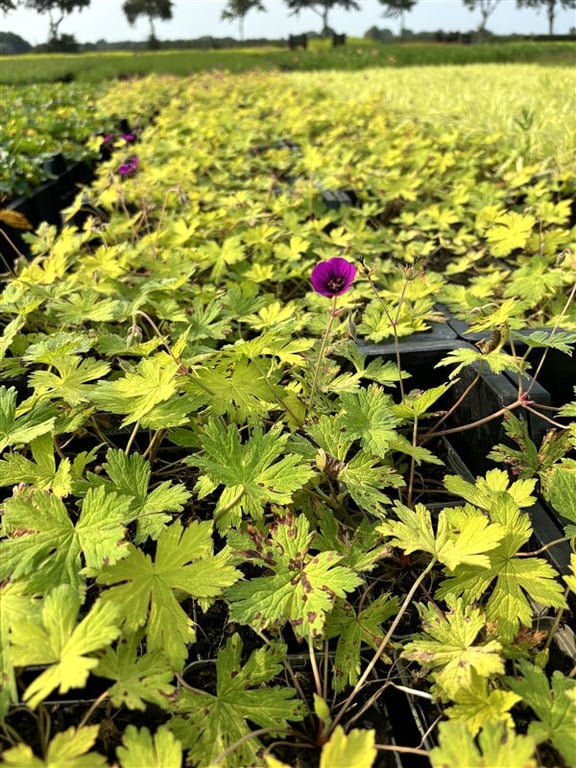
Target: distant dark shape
338	40
296	42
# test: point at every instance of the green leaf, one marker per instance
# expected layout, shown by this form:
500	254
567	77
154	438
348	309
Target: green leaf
129	477
417	404
561	490
147	592
367	415
239	390
355	748
554	703
354	629
364	477
15	428
252	472
138	677
302	587
68	749
498	747
40	472
62	643
139	748
463	535
44	545
208	724
448	647
561	340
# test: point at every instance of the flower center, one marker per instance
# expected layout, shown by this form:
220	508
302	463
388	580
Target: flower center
336	283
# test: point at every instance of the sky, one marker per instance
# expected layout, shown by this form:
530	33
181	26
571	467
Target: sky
104	19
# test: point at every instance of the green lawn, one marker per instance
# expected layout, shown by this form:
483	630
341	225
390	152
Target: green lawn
357	54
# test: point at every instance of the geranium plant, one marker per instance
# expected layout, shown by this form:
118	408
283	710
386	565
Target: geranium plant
233	522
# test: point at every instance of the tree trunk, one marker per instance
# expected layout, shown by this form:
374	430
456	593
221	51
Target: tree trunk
325	21
241	26
551	4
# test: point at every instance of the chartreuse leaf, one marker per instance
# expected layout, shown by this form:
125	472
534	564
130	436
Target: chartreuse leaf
343	750
59	641
15	605
508	579
571	578
448	647
302	587
354	628
68	749
129	476
40	471
497	361
208	724
22	428
554	703
140	748
69	381
511	230
495	487
138	392
463	535
44	545
498	747
477	704
367	415
147	591
251	471
138	677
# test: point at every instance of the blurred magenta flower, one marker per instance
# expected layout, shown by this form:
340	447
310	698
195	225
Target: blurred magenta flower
129	137
129	167
333	277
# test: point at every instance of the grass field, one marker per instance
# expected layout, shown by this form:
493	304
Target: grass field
357	54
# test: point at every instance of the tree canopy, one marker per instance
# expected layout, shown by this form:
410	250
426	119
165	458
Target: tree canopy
153	9
550	6
322	8
56	10
238	9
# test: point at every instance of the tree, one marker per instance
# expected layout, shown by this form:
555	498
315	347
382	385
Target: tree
550	6
8	5
486	8
397	9
322	8
237	9
153	9
60	7
11	44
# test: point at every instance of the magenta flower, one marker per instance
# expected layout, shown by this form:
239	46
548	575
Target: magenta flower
129	167
333	277
129	137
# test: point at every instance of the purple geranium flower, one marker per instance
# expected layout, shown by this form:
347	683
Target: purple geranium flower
129	167
333	277
129	137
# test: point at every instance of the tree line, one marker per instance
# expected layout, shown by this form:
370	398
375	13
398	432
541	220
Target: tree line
237	10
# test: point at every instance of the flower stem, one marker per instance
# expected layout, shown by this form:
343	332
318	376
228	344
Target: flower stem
385	640
321	357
